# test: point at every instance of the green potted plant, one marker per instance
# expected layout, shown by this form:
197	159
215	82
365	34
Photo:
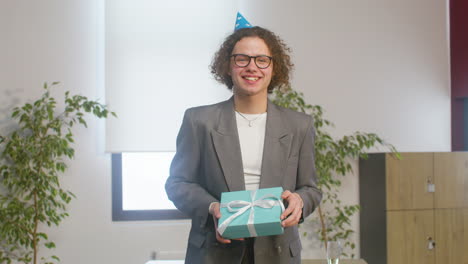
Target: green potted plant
333	161
32	159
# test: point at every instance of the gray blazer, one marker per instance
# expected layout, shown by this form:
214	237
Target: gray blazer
208	161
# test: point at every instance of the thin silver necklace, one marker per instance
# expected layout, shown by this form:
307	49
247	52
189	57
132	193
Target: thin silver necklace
249	120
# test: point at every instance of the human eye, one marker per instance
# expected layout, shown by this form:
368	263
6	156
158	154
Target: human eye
263	59
242	58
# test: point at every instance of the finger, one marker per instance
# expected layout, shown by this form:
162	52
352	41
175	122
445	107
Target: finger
222	239
217	211
285	194
286	213
211	208
297	214
293	212
293	219
215	221
217	215
288	223
218	236
292	204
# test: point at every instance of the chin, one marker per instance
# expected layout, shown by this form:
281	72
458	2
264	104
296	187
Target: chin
251	91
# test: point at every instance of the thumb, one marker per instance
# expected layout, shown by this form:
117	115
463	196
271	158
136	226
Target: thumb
217	211
285	194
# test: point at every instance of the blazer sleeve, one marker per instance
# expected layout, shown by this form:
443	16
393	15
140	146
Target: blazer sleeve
182	186
306	185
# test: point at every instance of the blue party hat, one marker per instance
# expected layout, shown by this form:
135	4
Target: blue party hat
241	22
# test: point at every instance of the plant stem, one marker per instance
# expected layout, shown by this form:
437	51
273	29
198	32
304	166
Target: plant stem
324	230
36	222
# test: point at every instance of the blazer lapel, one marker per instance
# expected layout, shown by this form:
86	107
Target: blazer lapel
226	141
276	148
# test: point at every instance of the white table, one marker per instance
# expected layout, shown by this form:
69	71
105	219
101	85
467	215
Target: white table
165	262
304	261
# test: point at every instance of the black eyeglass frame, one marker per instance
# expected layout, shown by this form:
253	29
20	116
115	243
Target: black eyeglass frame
250	59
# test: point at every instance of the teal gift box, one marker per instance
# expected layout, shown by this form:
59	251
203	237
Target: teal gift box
251	213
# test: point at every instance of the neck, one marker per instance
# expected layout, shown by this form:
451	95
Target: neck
250	104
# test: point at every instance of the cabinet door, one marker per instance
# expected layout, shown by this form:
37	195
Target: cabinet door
451	227
451	179
407	181
407	237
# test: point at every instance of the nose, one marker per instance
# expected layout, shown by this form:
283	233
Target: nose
252	65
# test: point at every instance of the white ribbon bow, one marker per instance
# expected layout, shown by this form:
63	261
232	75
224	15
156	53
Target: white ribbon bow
241	207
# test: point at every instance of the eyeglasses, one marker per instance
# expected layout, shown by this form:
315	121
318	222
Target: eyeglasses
242	60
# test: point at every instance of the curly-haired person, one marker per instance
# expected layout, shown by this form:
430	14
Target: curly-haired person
245	143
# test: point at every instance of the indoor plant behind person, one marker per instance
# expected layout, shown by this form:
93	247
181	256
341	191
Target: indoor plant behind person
332	161
32	158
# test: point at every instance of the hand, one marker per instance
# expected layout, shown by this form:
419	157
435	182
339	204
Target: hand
292	214
216	213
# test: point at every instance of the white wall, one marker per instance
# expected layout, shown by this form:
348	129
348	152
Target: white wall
376	66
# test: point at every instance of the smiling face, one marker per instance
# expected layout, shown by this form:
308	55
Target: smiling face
250	80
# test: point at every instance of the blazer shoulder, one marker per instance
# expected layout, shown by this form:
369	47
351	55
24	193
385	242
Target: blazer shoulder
205	113
295	118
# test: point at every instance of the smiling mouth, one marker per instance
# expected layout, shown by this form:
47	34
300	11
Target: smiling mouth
251	78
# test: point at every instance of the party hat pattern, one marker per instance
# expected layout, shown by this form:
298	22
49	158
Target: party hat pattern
241	22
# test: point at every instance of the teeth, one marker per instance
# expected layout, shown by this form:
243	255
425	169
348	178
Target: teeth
251	78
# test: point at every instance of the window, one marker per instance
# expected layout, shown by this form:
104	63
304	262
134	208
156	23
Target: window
138	187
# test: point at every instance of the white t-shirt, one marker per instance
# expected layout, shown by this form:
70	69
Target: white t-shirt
251	129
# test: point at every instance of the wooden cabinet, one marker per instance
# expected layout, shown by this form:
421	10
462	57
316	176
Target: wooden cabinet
451	232
451	180
409	232
424	210
407	180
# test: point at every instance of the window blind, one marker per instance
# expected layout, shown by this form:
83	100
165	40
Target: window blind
157	65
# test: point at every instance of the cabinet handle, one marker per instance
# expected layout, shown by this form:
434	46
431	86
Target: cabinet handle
430	186
430	243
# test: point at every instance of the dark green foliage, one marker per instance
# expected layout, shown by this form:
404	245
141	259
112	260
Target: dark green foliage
333	161
31	159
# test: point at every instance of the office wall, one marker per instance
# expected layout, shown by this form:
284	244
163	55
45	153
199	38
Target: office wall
378	67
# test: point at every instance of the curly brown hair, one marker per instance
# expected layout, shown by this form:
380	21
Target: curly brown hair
279	51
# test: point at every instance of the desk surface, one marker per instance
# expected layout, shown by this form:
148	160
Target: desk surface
304	261
165	262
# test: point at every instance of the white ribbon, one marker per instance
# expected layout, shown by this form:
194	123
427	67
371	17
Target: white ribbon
240	207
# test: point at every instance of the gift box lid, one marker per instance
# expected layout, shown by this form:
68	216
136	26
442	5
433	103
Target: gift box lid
266	221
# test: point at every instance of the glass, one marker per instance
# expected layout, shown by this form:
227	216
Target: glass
242	60
143	177
334	251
